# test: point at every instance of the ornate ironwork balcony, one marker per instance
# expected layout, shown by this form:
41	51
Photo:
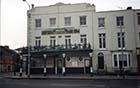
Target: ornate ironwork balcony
57	48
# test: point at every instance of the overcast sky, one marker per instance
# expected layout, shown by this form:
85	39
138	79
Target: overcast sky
13	16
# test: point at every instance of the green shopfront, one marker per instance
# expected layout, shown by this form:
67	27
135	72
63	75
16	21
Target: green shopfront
76	59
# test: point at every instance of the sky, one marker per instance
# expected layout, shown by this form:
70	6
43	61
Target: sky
14	20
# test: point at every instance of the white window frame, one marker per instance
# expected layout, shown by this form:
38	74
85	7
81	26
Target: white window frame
38	41
83	39
52	41
119	39
117	55
101	22
102	40
67	21
83	20
52	22
37	23
119	21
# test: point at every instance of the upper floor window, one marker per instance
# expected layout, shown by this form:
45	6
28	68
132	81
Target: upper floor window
138	15
37	41
52	22
119	20
52	41
102	40
82	20
68	41
83	39
121	40
67	21
101	22
37	22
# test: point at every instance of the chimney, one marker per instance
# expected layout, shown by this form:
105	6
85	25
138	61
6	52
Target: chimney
32	6
129	8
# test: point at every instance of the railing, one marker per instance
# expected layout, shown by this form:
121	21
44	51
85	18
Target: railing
58	47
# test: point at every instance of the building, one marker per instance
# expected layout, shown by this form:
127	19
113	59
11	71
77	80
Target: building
74	38
8	59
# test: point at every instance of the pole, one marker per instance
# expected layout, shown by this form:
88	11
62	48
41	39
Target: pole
28	40
91	64
122	53
63	69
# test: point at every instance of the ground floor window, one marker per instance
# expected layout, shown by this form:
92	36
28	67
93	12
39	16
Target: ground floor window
120	59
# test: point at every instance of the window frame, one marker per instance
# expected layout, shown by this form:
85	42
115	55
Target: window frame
120	21
52	22
83	20
67	21
38	23
101	22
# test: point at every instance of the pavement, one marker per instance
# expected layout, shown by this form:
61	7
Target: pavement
72	77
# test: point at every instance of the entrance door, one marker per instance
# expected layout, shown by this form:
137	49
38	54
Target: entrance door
100	61
59	66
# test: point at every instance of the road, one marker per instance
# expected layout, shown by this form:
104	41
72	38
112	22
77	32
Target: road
50	83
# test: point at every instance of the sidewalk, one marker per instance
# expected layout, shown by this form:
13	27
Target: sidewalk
73	77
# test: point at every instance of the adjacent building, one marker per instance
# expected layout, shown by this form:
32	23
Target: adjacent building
74	38
8	59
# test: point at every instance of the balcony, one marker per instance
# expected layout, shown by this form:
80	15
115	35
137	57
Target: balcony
58	48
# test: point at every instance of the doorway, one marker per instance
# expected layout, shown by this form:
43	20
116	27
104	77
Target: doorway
100	61
59	66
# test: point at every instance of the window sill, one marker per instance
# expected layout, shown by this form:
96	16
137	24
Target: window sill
118	27
83	26
101	28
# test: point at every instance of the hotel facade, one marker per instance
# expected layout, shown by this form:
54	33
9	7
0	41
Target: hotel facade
74	38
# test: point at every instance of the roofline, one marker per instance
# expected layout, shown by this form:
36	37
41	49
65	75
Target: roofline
117	10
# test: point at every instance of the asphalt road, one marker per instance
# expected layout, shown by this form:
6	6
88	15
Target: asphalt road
26	83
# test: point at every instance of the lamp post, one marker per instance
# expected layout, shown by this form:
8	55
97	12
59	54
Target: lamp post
63	69
28	36
45	59
122	53
91	64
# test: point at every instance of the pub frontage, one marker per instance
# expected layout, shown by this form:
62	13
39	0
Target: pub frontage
72	59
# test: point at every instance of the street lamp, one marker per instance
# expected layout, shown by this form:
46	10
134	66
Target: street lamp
28	31
63	69
91	64
45	59
122	53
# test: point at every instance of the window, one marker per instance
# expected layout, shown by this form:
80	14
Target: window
82	20
119	40
37	41
67	21
52	41
102	40
120	61
68	41
115	61
37	22
101	22
83	39
138	15
100	61
52	22
120	21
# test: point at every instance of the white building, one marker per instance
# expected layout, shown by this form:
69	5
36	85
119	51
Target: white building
74	32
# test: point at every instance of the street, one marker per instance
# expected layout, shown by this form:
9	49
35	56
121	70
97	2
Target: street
59	83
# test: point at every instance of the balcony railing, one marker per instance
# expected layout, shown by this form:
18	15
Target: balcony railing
57	47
